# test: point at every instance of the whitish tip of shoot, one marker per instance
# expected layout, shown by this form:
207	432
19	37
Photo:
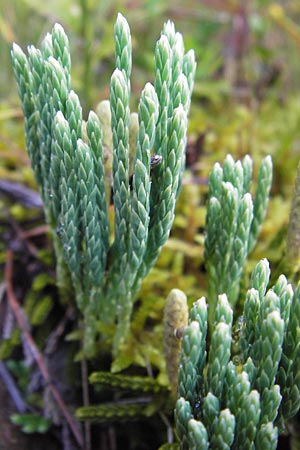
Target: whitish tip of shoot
163	43
73	97
92	117
169	28
247	159
122	23
264	264
229	159
254	397
118	83
16	49
248	199
179	45
190	55
59	117
120	18
201	303
268	160
47	37
17	55
244	379
32	49
81	145
223	301
238	166
118	75
58	28
149	89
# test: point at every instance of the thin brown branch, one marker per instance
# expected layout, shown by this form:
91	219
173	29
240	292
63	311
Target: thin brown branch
37	231
22	322
20	235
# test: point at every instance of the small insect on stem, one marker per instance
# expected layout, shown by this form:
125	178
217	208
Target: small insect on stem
155	161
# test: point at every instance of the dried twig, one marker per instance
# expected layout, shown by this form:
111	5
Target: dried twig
37	231
12	389
22	194
22	238
22	322
56	334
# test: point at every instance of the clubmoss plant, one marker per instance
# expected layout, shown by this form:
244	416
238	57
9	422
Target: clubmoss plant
238	385
233	222
68	157
241	401
155	399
